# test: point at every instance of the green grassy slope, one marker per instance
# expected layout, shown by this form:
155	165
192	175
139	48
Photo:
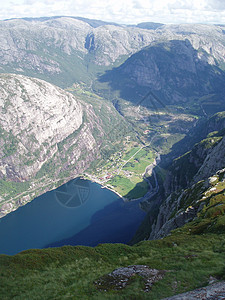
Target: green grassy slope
70	272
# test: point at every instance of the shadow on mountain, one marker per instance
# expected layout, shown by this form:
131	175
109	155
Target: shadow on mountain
200	131
168	73
116	223
215	125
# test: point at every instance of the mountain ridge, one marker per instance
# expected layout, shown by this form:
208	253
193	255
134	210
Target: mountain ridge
53	47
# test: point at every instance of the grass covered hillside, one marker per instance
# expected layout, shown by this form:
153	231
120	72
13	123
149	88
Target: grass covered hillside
70	272
187	258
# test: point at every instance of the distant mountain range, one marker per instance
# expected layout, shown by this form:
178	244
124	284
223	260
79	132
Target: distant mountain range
179	63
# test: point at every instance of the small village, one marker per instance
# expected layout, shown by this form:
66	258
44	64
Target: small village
125	169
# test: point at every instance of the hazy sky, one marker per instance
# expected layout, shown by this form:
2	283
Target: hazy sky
120	11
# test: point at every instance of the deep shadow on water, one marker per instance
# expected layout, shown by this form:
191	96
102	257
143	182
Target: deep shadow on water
116	223
79	212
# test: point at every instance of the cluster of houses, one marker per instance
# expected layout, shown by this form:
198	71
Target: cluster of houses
106	176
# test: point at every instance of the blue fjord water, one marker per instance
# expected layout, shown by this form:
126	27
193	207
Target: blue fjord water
78	213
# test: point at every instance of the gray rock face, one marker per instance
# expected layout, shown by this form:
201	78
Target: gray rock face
210	292
37	115
204	158
46	135
213	161
164	224
176	209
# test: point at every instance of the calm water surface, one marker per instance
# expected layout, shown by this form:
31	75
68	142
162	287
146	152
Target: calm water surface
77	213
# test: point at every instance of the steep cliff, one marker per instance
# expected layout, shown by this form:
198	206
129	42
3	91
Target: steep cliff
175	72
35	117
204	158
192	183
47	135
203	203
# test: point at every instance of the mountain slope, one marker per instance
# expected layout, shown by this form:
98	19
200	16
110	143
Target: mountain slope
64	50
194	184
47	135
176	72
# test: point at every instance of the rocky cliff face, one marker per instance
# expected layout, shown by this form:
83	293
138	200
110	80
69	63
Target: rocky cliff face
35	116
203	160
175	71
192	204
47	135
192	178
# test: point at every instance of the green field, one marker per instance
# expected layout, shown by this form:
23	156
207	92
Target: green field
140	161
130	188
11	189
130	153
129	182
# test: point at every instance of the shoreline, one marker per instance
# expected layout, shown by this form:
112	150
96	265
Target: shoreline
117	193
109	187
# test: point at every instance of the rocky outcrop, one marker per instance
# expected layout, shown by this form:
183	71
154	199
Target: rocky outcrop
213	161
204	160
184	206
121	277
210	292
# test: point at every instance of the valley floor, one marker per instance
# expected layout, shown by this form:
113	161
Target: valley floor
126	172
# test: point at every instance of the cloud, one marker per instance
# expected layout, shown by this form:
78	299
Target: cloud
216	5
121	11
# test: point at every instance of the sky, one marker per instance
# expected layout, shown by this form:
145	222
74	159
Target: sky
120	11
